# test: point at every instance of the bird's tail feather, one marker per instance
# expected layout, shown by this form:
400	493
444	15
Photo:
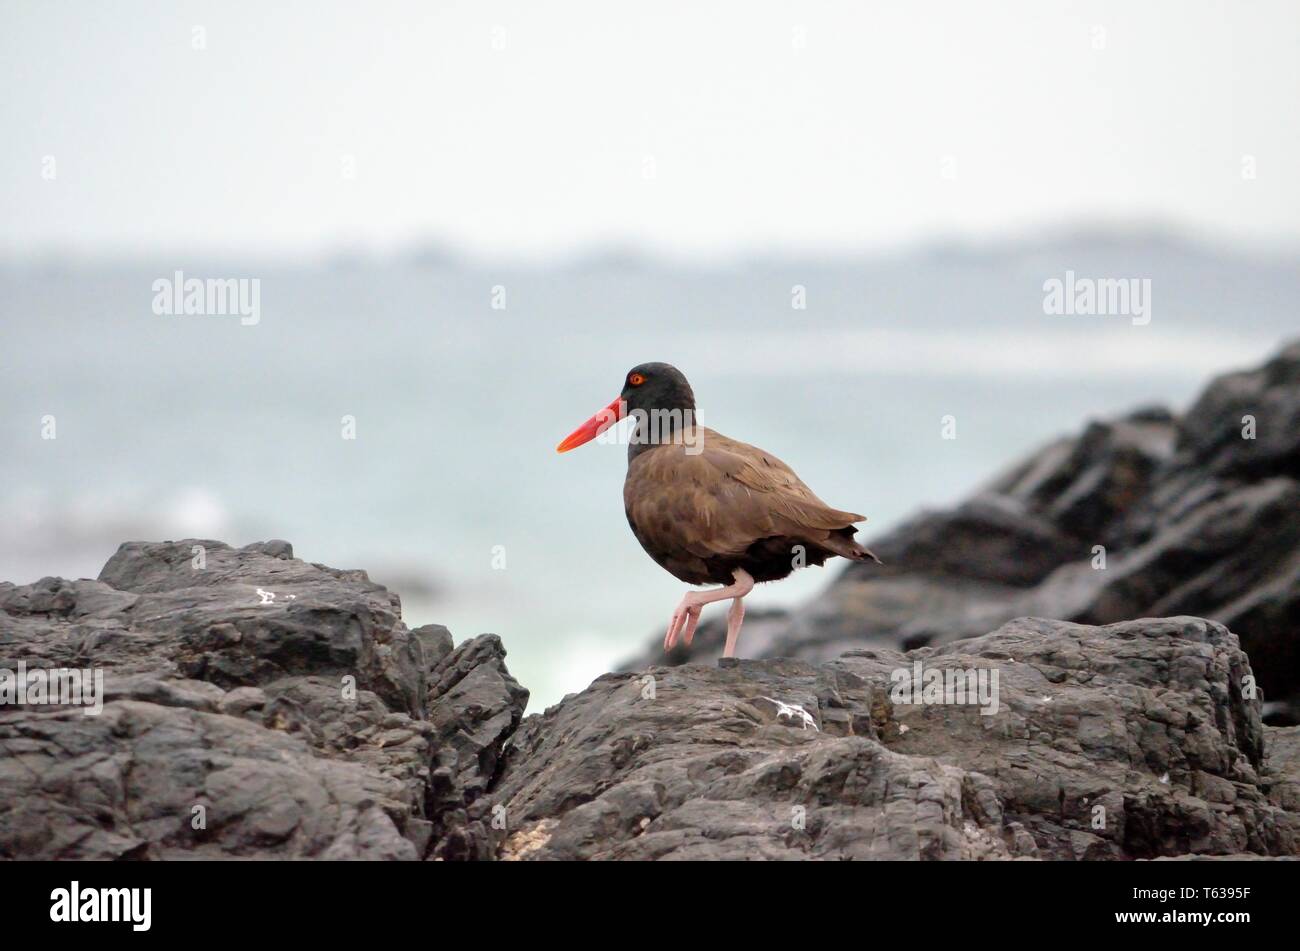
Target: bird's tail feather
845	546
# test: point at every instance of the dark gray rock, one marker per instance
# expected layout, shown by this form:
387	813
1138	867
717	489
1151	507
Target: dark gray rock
1282	777
262	707
146	780
285	702
1211	433
474	707
1127	741
435	644
242	616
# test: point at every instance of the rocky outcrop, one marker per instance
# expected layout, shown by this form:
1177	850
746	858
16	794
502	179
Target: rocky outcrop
255	705
1146	516
1133	740
474	707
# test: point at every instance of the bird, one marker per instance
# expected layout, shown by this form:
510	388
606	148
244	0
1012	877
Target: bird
710	509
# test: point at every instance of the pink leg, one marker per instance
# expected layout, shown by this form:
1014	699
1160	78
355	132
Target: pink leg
735	618
686	616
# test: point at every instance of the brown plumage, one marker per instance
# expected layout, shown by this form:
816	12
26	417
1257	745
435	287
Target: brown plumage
703	514
713	509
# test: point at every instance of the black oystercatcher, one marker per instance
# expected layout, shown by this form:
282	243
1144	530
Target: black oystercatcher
710	509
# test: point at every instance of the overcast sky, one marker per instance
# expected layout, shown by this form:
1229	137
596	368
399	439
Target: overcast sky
691	128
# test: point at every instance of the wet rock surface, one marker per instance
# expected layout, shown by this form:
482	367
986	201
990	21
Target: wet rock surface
1149	515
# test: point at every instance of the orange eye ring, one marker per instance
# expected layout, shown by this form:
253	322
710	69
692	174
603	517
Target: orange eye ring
636	379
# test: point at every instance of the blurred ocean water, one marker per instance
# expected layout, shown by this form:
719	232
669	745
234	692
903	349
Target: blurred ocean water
452	493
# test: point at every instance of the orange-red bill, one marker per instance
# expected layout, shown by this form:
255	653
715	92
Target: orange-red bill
593	427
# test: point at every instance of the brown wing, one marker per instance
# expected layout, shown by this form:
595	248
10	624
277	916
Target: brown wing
721	500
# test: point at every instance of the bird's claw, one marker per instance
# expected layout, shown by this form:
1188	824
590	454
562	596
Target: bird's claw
686	617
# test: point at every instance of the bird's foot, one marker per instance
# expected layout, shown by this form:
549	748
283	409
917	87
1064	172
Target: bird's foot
686	617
